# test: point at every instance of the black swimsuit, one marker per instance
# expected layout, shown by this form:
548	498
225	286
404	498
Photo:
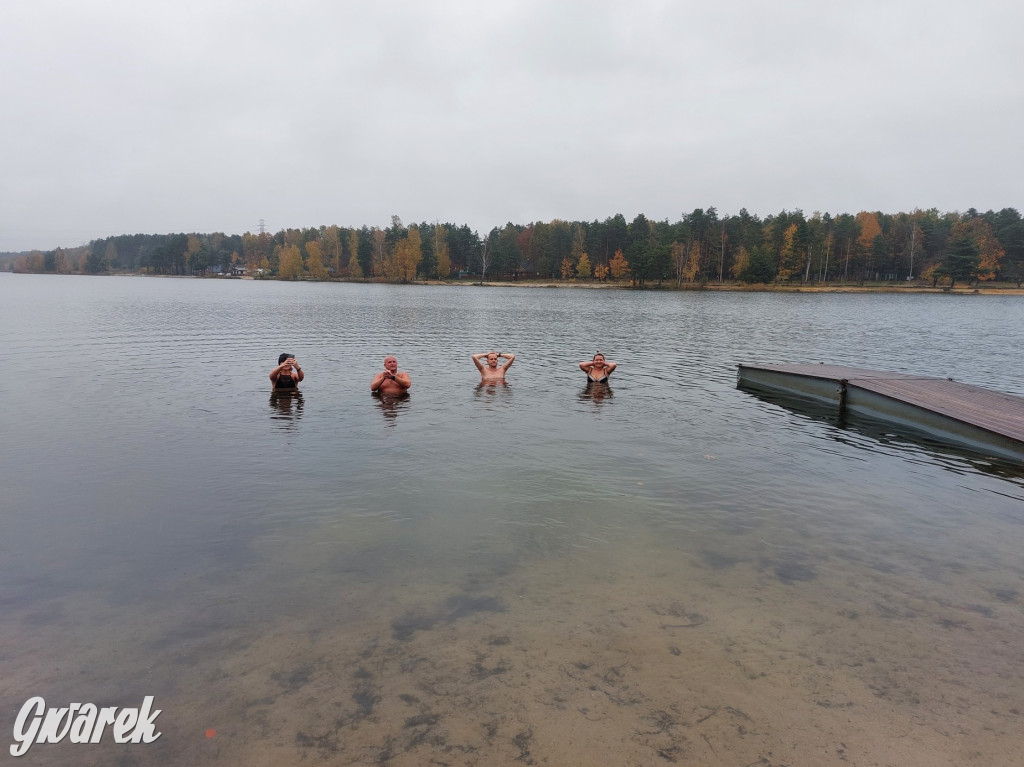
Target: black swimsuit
597	380
285	382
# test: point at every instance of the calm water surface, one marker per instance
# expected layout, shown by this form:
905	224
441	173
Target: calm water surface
505	574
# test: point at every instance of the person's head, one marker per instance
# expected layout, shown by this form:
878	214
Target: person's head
283	357
492	359
391	363
599	359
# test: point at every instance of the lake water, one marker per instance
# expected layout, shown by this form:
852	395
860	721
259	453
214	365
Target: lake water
668	571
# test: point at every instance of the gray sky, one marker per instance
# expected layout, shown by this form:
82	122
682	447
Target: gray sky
124	116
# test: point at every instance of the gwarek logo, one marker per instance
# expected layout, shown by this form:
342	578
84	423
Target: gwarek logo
84	723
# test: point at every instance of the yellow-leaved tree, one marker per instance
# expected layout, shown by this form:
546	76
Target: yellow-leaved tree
289	263
353	255
255	249
740	262
402	264
678	253
567	268
331	239
618	265
315	261
379	237
355	269
583	266
600	272
788	257
692	263
62	264
990	251
869	230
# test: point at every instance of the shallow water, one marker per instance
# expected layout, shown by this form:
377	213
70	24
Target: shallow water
669	571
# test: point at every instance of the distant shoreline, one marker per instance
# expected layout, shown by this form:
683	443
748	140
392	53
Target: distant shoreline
732	288
984	290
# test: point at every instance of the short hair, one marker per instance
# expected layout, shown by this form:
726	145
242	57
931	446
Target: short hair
283	357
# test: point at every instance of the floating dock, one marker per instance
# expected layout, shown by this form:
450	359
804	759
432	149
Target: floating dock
986	421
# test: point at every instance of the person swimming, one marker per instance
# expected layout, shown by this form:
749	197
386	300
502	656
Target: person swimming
391	380
598	369
492	371
287	374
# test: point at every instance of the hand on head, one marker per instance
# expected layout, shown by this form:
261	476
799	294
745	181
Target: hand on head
286	365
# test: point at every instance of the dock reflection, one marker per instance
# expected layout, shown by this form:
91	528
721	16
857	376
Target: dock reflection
879	436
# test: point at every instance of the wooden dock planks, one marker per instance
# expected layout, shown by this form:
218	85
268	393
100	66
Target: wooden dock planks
972	406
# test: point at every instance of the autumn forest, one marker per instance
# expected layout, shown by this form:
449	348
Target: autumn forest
702	247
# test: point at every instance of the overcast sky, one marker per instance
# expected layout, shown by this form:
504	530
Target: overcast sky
200	116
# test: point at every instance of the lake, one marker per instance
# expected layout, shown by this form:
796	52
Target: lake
670	570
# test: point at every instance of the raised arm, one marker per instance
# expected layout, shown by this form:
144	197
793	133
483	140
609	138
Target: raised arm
610	366
586	366
276	372
377	381
510	357
476	360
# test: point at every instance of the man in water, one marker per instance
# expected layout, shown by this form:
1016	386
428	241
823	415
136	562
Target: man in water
492	371
391	380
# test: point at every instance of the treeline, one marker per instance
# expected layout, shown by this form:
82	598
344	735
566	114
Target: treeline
701	247
153	253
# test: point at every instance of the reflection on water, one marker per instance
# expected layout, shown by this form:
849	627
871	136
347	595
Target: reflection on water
286	407
391	404
596	392
877	435
681	574
498	387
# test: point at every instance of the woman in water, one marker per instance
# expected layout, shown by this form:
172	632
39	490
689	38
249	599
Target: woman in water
287	374
598	369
